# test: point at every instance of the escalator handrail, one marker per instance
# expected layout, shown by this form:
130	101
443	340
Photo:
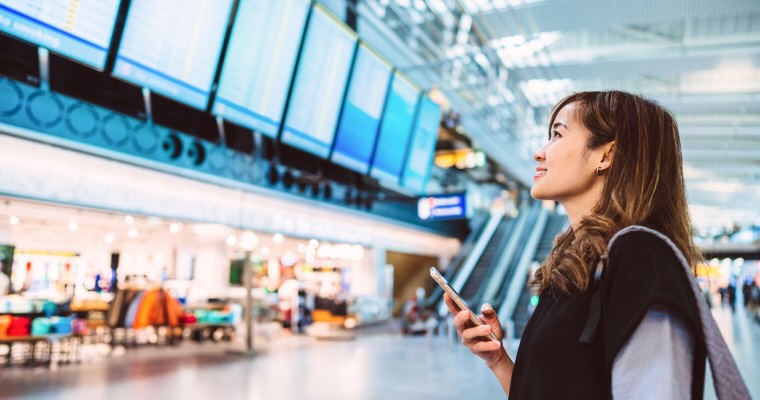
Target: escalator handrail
552	223
508	304
472	258
494	281
487	264
467	245
522	246
525	248
480	221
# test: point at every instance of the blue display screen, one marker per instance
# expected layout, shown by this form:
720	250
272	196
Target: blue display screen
362	110
319	85
172	47
422	149
80	30
259	63
398	117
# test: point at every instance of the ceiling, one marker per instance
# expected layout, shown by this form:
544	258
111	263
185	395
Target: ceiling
503	63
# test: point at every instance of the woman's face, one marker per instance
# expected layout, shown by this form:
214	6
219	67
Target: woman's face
566	169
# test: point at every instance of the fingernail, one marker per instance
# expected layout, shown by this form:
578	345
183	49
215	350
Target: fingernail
486	307
485	329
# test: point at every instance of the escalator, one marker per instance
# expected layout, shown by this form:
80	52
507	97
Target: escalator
554	225
513	264
479	224
484	267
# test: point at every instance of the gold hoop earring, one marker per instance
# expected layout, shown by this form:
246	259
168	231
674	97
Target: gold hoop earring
598	171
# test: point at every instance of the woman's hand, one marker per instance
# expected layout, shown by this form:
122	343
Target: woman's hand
476	337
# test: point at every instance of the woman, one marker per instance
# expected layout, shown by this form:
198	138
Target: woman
613	160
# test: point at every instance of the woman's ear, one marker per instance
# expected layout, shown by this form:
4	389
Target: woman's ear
608	153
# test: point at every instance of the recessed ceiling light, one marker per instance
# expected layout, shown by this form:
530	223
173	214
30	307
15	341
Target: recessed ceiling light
133	233
249	240
129	219
13	220
109	238
231	240
73	226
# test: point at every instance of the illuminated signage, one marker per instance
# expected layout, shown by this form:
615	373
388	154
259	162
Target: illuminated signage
450	206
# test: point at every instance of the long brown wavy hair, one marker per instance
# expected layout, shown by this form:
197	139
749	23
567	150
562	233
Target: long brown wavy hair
644	185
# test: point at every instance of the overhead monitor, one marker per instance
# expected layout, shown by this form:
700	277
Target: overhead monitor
422	147
319	84
395	129
362	110
259	63
80	30
172	47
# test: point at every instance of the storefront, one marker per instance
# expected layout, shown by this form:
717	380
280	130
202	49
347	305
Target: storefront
78	231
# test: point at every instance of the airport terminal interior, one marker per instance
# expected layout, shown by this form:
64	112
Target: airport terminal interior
245	197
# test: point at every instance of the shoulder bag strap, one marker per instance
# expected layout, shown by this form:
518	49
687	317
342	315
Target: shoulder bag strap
729	384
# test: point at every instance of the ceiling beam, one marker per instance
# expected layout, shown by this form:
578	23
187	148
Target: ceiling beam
564	16
645	61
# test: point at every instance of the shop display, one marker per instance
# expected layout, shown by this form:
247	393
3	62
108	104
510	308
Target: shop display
124	290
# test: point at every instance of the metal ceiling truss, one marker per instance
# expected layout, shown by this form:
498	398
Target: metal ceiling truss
503	63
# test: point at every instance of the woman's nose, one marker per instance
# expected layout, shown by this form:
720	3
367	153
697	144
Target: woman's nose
540	155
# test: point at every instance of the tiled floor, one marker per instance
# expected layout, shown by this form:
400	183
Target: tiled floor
378	365
743	338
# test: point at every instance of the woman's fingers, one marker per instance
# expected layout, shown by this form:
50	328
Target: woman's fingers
485	346
476	332
453	308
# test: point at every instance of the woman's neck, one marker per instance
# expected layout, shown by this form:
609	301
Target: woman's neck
582	205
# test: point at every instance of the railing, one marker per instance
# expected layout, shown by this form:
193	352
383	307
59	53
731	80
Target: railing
479	222
495	281
469	263
507	309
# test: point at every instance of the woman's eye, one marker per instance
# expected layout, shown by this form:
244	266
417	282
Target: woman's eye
556	134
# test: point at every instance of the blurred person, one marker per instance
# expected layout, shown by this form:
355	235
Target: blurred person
411	315
704	286
749	281
723	291
5	281
754	294
731	293
613	160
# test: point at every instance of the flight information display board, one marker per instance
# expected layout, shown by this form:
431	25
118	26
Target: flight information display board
362	110
396	127
172	47
80	30
422	147
259	63
319	85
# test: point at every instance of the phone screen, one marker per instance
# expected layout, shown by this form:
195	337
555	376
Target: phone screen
436	275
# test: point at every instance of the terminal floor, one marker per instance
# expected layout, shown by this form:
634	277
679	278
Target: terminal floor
379	364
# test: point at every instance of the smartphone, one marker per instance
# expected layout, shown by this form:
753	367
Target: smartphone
457	299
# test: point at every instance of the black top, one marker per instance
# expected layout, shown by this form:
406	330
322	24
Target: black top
642	272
